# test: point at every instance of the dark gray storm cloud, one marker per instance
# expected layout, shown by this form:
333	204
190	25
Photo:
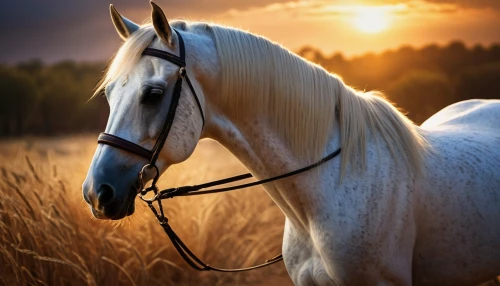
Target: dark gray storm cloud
53	30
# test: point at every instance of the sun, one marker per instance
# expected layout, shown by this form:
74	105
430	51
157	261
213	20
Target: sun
371	20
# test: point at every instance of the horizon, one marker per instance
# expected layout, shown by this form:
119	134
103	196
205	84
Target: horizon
352	28
327	54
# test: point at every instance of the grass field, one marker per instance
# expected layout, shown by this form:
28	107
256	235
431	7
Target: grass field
48	237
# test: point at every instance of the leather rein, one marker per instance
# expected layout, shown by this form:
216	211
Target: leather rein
152	156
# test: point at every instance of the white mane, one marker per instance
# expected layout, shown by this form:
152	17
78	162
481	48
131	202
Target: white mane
301	100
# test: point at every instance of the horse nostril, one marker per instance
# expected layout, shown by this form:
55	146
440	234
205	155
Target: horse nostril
105	194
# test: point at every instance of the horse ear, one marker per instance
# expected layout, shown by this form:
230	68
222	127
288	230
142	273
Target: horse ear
123	26
160	24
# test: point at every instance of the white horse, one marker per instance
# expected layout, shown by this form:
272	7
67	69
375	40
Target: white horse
402	205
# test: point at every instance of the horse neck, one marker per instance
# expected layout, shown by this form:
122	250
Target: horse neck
261	150
245	124
261	80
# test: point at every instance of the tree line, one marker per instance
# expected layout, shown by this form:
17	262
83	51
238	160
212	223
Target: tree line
51	99
420	81
42	99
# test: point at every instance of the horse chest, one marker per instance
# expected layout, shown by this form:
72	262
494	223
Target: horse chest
302	260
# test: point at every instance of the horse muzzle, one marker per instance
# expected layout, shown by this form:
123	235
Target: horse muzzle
105	203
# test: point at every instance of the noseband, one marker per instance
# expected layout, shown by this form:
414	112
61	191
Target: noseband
152	156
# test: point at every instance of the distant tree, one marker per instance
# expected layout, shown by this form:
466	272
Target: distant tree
31	67
65	88
421	93
494	53
479	55
479	82
18	99
59	102
336	64
313	55
454	57
431	54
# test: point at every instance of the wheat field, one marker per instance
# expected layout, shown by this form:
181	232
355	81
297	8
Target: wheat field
48	237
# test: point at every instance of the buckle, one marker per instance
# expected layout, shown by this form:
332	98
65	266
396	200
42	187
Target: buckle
143	189
142	194
182	72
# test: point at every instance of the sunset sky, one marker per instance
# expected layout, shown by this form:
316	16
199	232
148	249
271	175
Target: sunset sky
54	30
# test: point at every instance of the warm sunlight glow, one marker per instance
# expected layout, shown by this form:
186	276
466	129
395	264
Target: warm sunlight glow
371	20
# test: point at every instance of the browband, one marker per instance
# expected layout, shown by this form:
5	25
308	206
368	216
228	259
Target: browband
164	55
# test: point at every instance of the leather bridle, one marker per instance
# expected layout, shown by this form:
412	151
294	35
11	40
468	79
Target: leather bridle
152	156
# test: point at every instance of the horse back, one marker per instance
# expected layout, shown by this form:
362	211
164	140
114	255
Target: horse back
474	113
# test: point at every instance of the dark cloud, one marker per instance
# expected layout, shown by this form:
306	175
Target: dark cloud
55	30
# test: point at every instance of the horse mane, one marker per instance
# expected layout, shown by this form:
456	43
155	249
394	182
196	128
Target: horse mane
303	102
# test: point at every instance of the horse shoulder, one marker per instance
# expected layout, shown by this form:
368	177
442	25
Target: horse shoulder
369	231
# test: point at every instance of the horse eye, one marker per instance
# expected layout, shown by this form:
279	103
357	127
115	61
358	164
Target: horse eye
152	95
